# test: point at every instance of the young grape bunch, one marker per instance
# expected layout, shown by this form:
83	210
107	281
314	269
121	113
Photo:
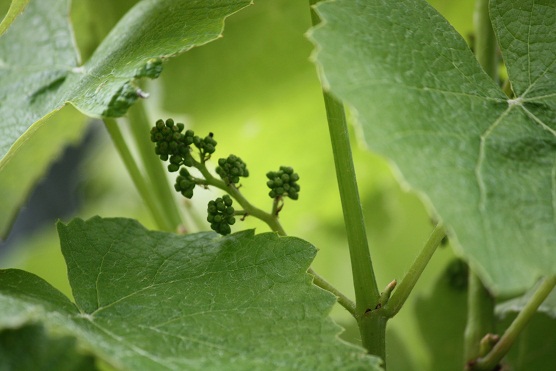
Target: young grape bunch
283	183
221	215
230	169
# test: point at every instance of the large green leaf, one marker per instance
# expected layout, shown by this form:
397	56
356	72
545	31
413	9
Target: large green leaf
39	67
37	54
485	162
153	300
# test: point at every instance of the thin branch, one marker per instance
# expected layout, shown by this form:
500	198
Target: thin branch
506	341
404	288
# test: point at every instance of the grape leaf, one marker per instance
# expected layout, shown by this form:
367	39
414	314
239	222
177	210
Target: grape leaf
40	72
155	300
483	162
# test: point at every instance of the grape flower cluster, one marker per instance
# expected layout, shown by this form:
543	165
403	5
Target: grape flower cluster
221	215
174	145
283	183
231	168
185	183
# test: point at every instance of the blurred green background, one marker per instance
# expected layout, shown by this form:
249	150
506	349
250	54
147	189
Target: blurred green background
258	92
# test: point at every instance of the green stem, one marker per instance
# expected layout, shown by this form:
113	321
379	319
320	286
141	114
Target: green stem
372	324
136	176
366	290
485	39
480	317
343	300
154	168
404	288
270	219
502	347
480	303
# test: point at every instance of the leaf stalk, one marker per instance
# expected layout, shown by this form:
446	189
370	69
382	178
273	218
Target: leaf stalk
502	347
408	282
141	184
154	168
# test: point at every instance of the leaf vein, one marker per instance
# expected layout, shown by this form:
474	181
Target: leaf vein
538	121
142	352
482	153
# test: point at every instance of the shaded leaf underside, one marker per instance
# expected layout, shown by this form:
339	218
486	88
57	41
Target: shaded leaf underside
485	162
39	67
40	73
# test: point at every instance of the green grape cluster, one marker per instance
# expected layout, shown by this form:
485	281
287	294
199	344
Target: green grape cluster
185	183
283	183
171	143
206	146
169	139
231	168
221	215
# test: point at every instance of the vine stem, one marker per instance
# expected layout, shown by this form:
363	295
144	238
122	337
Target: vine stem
485	39
480	316
502	347
140	183
480	303
366	288
372	324
154	168
408	282
270	219
343	300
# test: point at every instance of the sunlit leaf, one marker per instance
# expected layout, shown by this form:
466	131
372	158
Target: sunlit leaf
154	300
485	163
